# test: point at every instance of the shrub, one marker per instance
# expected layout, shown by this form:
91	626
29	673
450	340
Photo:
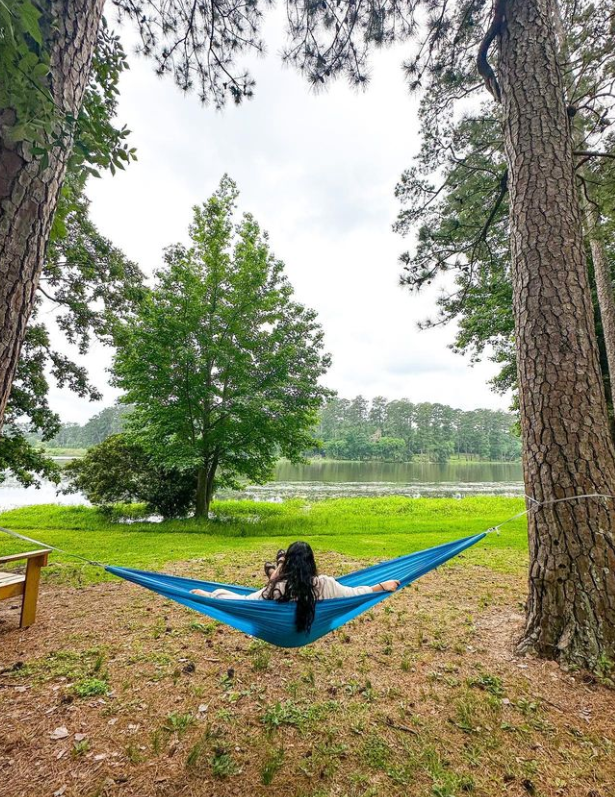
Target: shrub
119	471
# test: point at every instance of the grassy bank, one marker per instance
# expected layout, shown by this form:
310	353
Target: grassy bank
65	452
369	528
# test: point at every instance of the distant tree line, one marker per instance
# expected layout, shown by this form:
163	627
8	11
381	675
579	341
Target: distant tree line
105	423
359	429
399	431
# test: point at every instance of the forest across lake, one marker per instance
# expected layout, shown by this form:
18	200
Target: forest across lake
357	429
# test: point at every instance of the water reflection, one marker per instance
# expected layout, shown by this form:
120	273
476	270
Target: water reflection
337	480
349	479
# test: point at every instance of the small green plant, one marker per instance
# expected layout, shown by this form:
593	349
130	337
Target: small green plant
178	723
134	754
466	711
289	713
489	683
157	741
223	765
261	657
207	629
196	751
90	687
272	765
527	707
605	671
80	748
387	640
376	752
227	681
98	662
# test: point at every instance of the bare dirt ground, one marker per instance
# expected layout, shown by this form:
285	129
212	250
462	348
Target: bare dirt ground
115	691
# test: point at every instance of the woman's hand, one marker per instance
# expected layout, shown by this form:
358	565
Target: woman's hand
200	592
387	586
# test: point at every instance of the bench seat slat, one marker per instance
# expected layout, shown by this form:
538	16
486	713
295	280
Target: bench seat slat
11	578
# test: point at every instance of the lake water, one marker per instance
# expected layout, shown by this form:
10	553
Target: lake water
339	479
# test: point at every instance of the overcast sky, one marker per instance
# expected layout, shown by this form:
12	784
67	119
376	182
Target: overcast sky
318	171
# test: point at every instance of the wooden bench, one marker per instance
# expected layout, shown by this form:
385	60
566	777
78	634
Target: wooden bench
13	584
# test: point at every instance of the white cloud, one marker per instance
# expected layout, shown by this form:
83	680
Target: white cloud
318	172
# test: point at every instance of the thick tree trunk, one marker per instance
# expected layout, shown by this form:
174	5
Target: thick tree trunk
565	429
202	505
29	193
209	495
604	291
205	488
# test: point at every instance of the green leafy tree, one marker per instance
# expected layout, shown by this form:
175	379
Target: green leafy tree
389	449
221	364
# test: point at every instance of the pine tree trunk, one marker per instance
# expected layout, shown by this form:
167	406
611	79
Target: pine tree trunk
604	291
565	430
28	193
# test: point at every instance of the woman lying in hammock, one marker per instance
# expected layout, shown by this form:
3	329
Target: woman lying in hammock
295	578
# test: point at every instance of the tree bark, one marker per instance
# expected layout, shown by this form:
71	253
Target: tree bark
202	506
28	193
205	488
604	291
565	430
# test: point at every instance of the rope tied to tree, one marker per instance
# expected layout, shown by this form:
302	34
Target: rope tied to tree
536	505
52	547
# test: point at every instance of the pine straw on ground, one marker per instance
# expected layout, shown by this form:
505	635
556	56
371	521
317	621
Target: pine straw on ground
423	696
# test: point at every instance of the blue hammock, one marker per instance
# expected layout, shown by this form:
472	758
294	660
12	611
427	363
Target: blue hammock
275	622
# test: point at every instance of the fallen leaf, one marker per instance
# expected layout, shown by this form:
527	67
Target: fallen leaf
59	733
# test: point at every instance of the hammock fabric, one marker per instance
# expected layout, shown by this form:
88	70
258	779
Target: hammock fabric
275	622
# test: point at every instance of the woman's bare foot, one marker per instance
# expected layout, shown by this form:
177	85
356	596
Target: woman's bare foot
200	592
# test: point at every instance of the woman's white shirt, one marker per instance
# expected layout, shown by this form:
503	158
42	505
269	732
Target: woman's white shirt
326	587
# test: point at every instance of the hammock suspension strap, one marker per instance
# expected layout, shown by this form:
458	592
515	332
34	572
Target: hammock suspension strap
52	547
536	505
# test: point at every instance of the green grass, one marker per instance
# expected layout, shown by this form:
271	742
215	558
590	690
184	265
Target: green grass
64	452
376	528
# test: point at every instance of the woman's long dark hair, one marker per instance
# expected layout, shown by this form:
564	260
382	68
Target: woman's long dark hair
298	572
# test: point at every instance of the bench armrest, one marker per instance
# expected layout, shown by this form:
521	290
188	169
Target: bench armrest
15	557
